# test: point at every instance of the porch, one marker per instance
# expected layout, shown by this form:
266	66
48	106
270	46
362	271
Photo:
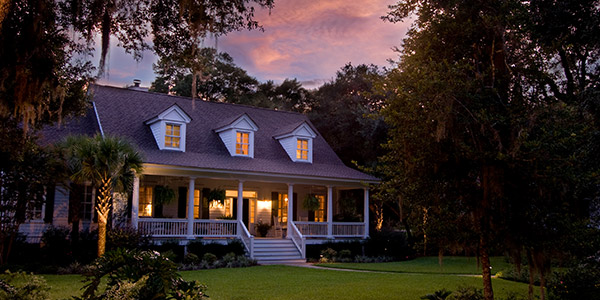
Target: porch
341	213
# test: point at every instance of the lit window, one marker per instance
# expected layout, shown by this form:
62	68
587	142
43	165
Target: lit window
197	204
172	136
282	208
242	143
145	209
320	212
302	150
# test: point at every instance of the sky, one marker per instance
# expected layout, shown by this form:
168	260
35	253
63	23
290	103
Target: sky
302	39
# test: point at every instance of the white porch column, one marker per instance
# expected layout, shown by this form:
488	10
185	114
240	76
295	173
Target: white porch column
290	212
190	208
366	213
135	202
240	201
329	212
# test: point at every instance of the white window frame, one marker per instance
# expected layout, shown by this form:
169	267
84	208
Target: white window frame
172	124
241	143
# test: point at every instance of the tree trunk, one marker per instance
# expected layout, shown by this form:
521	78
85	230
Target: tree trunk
103	208
101	237
542	285
488	293
531	279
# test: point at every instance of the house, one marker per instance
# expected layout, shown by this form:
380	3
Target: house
265	162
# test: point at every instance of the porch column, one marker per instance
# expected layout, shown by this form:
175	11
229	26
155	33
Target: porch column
240	201
135	202
329	212
190	208
366	213
290	213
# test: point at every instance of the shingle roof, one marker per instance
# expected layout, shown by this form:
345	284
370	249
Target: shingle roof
123	112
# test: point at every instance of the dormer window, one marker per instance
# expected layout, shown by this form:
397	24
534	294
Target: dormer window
238	136
172	136
297	141
169	127
302	151
242	144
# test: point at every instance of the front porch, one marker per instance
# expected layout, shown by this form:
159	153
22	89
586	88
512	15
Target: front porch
342	212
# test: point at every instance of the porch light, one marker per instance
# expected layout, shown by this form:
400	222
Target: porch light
286	199
263	204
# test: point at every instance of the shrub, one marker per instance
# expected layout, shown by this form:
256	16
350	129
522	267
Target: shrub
437	295
209	258
135	274
328	255
580	281
171	249
20	285
191	259
467	293
199	248
127	238
313	252
55	246
388	243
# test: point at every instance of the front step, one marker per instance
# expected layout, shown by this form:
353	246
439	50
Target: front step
276	251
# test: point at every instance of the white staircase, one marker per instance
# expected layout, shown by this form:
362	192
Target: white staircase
276	251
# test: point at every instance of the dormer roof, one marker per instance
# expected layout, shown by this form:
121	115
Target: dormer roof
173	113
240	122
302	129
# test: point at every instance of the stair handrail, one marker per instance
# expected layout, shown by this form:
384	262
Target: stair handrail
296	236
246	237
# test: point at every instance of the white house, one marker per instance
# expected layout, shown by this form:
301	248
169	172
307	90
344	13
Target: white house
267	162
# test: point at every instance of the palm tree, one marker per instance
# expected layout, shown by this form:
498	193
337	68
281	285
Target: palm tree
109	163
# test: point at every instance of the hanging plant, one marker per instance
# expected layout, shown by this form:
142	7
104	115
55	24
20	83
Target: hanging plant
163	194
311	203
217	195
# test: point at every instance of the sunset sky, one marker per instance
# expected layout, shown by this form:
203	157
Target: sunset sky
306	40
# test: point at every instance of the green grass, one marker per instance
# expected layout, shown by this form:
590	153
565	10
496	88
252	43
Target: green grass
284	282
429	265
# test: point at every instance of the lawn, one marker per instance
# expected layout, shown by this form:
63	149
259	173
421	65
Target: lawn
430	265
285	282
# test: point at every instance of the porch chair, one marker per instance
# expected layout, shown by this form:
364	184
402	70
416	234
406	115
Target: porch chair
277	229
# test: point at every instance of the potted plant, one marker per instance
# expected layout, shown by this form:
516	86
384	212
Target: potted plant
162	195
311	202
262	228
217	195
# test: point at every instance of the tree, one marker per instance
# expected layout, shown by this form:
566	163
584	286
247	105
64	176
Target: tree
346	112
109	163
221	81
25	172
489	109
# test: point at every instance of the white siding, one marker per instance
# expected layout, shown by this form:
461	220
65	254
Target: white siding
159	134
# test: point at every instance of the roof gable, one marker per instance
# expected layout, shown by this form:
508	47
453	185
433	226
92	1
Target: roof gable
243	122
173	113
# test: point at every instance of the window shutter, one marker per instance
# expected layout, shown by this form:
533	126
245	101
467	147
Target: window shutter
182	203
49	213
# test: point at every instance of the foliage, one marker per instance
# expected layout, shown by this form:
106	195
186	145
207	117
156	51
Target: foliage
25	171
467	293
126	238
328	255
580	281
23	286
143	274
109	163
163	194
56	248
438	295
311	202
492	137
199	248
217	194
346	113
209	258
262	228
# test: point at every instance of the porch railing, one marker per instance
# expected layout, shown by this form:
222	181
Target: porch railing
179	228
297	238
312	229
246	237
356	229
163	227
215	228
340	229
